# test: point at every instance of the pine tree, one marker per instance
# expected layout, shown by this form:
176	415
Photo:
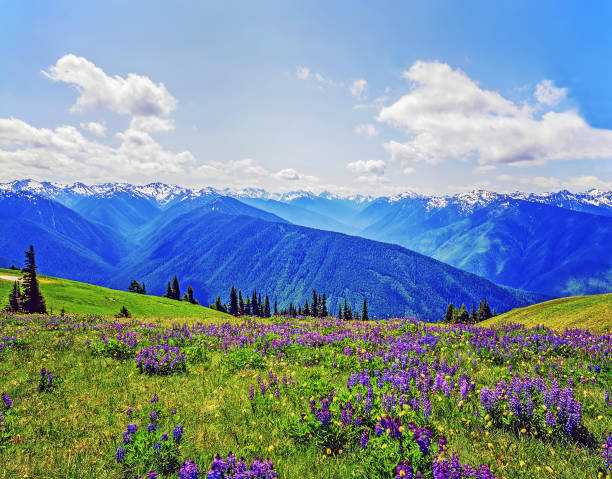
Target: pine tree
473	313
314	306
340	311
143	289
240	303
260	307
267	307
449	316
176	290
168	291
494	312
306	309
219	306
233	302
364	310
254	308
485	311
300	312
247	307
190	297
347	314
275	308
32	300
323	305
463	315
356	315
123	313
15	298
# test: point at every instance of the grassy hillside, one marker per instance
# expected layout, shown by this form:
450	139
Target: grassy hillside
592	312
83	298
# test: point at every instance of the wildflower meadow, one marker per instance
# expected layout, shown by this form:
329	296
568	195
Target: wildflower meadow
301	398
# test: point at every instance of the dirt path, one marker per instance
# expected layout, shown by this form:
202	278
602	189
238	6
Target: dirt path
6	277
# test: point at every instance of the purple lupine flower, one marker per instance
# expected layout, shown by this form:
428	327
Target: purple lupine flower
154	399
153	416
607	451
364	439
8	402
128	411
189	470
151	427
120	455
404	470
177	434
252	393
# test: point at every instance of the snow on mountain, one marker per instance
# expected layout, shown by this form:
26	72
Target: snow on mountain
163	194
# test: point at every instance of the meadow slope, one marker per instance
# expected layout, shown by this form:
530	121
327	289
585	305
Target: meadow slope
84	298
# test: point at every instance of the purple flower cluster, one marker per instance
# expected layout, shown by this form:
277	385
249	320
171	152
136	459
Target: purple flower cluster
46	380
8	402
607	451
453	469
231	468
161	359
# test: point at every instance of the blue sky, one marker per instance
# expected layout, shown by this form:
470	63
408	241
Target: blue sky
348	96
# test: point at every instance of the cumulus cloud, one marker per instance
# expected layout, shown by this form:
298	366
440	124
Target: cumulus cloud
548	94
151	124
358	87
94	127
368	167
289	174
65	152
409	170
134	95
484	169
367	129
448	115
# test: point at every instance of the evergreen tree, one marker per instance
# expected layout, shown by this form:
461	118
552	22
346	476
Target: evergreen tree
356	315
218	305
494	312
176	290
267	307
473	313
364	310
254	305
299	312
168	291
463	316
486	310
323	306
314	306
190	297
247	307
260	306
123	313
15	298
340	311
306	309
347	314
32	300
136	287
233	302
449	316
275	308
143	288
240	303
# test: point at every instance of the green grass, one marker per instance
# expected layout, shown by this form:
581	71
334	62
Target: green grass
83	299
592	312
74	430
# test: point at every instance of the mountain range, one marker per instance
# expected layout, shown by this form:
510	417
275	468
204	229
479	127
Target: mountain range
552	244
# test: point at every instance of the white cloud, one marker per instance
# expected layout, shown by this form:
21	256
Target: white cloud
358	87
369	167
289	174
366	129
94	127
548	94
409	170
303	73
447	115
134	95
151	124
545	182
484	169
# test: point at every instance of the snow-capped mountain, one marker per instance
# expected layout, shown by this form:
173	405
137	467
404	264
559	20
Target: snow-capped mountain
592	201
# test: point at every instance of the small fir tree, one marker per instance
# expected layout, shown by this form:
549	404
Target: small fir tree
233	302
364	310
176	289
32	300
14	305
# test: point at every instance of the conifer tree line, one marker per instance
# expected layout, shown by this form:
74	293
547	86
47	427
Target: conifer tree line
173	291
461	315
26	297
136	287
255	304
